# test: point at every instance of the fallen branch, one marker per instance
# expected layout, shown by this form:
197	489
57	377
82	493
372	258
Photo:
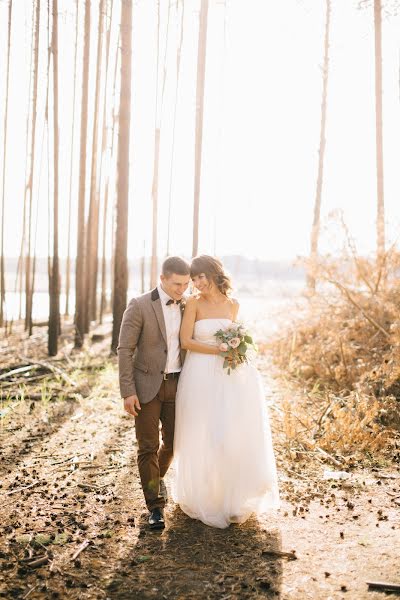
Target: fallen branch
53	369
22	488
38	562
17	371
31	590
343	289
383	586
329	457
82	547
279	554
298	474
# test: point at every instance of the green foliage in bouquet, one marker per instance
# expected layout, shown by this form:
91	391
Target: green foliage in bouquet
236	346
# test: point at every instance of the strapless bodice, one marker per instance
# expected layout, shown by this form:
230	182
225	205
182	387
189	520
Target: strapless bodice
205	329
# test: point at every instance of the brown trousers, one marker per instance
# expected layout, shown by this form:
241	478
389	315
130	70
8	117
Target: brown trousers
153	459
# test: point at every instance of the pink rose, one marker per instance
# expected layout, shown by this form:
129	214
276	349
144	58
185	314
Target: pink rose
234	342
223	347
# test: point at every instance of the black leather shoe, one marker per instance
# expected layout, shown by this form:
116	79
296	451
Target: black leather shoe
156	519
163	490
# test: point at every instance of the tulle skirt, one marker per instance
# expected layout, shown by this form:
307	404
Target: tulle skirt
223	455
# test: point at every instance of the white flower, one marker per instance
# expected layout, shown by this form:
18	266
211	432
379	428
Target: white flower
234	342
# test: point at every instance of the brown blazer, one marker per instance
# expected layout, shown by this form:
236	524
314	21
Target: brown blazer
142	347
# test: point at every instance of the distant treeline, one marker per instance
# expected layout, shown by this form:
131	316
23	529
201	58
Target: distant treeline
244	271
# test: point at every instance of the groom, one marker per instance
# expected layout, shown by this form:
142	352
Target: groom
150	360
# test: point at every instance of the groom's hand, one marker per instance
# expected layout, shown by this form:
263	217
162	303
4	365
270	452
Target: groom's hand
132	405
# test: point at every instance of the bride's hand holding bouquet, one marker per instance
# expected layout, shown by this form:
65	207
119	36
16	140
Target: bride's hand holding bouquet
236	345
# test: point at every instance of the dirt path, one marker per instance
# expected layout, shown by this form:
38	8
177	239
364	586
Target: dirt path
86	489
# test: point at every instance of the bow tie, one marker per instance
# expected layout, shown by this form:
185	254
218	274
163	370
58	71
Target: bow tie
170	301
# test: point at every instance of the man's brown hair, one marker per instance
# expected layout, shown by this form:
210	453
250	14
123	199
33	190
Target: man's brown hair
175	264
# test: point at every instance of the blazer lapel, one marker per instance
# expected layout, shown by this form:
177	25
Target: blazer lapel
156	304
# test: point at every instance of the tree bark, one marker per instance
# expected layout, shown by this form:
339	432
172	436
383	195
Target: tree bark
178	72
54	316
121	261
2	266
311	280
29	187
80	252
380	218
201	70
68	265
103	296
93	220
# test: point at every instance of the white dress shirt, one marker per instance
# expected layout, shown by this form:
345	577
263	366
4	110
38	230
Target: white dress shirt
172	318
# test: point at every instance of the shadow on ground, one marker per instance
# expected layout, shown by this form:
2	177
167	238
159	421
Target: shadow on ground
191	560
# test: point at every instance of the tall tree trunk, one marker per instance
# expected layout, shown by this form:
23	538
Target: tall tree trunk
171	170
103	296
157	135
114	144
54	316
121	246
154	195
93	220
201	71
68	264
380	218
2	266
311	281
80	252
154	186
29	187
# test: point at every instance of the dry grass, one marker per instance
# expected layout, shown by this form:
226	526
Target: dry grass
344	352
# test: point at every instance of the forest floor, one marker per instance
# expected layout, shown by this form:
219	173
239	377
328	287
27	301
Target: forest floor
73	523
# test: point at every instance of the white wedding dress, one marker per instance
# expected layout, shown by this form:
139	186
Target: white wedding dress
223	455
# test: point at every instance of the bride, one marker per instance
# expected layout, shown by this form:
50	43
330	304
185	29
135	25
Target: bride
224	460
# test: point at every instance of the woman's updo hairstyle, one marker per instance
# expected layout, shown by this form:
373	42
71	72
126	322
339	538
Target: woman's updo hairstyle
214	271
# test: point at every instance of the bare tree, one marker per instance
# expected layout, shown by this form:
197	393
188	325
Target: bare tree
322	141
29	186
121	244
2	267
80	251
201	71
157	136
93	219
54	283
178	73
104	151
380	219
68	263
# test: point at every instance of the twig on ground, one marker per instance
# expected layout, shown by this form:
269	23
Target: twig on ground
82	547
31	590
38	562
17	371
22	488
329	457
52	368
279	554
298	474
383	586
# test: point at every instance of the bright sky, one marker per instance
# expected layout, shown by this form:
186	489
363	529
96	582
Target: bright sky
261	125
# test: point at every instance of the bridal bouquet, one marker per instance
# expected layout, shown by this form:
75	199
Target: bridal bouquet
236	346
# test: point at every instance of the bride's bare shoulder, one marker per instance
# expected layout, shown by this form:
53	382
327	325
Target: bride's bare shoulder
192	300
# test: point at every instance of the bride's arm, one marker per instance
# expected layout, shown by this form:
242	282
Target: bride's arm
236	307
187	328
